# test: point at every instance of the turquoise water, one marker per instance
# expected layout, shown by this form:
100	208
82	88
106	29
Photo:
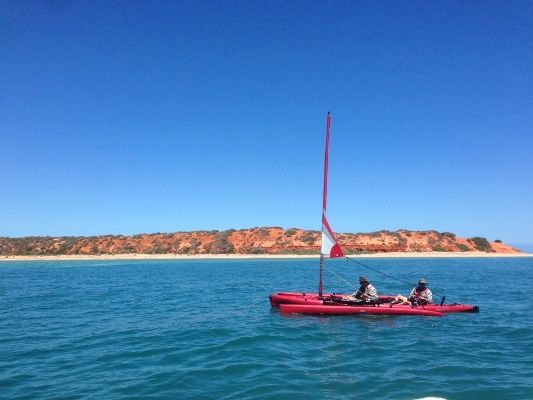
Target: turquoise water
205	330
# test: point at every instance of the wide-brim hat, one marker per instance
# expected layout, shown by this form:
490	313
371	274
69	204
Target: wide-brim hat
422	280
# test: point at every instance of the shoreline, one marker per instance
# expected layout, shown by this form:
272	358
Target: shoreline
110	257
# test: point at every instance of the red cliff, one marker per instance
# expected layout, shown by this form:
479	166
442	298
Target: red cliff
273	240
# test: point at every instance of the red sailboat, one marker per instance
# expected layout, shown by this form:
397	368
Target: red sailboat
320	303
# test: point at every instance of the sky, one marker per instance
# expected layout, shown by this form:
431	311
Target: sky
125	117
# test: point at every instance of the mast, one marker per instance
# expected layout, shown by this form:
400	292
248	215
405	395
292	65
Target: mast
329	245
324	201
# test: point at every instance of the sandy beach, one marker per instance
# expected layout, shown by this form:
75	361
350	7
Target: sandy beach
255	256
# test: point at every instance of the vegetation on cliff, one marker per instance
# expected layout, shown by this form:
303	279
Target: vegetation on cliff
272	240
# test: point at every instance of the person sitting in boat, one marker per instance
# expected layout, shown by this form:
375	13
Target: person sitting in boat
365	294
419	295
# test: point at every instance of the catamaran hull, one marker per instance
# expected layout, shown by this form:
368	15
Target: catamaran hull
277	299
309	298
295	298
354	310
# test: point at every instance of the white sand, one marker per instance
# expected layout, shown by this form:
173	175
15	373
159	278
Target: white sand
253	256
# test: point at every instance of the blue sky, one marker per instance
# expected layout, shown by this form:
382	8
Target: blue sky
125	117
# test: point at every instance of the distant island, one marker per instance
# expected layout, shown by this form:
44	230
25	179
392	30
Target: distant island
265	240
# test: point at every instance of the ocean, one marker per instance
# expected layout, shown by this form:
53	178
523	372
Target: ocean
205	330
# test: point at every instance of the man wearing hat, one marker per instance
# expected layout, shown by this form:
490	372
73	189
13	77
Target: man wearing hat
365	294
419	295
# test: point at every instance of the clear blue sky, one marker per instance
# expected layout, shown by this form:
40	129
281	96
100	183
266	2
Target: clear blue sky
125	117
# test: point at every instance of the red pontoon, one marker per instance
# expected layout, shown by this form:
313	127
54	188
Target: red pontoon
277	299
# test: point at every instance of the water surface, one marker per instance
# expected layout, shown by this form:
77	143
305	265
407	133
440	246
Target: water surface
205	330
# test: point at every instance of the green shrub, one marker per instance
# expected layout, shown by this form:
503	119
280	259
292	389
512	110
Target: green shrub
253	250
309	237
480	243
298	252
463	247
438	248
220	245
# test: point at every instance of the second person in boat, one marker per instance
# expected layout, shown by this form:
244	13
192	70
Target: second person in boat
365	294
419	295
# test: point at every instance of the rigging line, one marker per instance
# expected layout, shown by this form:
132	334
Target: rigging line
387	275
340	278
379	272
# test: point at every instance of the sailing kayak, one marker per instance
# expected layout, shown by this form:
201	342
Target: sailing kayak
308	298
354	310
280	298
313	303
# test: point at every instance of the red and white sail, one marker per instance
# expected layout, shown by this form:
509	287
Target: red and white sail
330	248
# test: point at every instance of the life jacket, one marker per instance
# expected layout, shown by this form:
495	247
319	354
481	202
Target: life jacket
371	292
425	295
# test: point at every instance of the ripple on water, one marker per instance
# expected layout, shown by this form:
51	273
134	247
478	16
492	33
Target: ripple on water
205	331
